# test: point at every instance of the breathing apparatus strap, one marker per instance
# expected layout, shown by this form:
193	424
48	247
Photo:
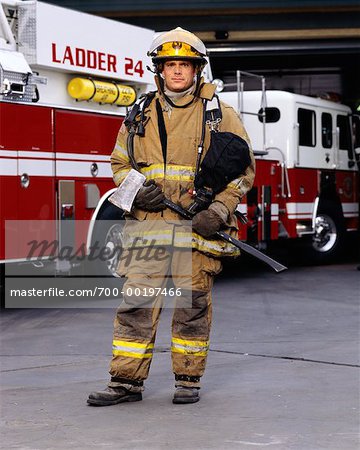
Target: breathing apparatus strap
134	122
202	139
212	117
162	131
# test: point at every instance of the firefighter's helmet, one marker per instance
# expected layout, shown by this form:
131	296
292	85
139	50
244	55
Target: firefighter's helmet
178	44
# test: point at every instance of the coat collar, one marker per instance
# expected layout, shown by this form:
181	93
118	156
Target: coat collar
206	91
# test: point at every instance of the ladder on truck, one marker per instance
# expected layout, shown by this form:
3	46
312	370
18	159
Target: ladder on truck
240	88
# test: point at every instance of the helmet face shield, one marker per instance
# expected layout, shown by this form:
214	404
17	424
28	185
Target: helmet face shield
178	44
176	50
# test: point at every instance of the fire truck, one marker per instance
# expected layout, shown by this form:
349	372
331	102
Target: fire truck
66	82
307	168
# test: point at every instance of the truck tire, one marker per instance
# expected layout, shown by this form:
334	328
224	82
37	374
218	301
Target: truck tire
107	234
328	241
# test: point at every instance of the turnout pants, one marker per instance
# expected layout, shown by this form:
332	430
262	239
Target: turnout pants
137	317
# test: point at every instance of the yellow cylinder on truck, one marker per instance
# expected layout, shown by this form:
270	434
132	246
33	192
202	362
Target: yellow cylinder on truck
101	91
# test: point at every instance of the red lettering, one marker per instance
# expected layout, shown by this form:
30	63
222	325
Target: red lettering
111	63
139	69
101	61
68	56
91	59
80	57
53	50
129	64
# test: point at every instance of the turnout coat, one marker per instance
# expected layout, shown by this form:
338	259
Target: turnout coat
176	175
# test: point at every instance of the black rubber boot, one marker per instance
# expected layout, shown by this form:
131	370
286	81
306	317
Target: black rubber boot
113	395
185	394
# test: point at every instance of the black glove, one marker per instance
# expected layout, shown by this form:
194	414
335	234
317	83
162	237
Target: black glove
150	197
207	223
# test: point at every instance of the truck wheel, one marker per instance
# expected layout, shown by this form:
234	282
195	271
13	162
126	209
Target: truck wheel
107	237
329	238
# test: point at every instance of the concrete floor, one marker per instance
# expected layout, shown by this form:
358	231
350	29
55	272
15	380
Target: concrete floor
283	371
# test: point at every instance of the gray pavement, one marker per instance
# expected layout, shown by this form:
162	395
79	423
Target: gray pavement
283	371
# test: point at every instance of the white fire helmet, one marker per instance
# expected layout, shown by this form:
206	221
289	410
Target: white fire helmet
178	44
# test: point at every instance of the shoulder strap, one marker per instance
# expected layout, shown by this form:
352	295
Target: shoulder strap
135	125
162	130
213	115
132	120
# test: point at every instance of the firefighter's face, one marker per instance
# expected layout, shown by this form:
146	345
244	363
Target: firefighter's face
178	75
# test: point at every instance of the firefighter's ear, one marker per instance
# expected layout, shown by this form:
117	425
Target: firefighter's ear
159	67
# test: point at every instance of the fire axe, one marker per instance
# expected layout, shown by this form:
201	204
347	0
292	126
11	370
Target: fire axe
124	197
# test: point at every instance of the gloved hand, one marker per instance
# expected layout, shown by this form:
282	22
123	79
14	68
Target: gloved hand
207	222
150	197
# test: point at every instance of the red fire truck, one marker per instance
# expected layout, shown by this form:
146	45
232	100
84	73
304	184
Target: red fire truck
66	80
307	175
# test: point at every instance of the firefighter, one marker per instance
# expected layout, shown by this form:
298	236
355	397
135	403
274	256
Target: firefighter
166	153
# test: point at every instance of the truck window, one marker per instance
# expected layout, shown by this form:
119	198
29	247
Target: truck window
271	115
307	127
326	130
356	131
343	123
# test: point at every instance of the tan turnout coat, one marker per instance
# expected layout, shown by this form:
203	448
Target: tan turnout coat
176	176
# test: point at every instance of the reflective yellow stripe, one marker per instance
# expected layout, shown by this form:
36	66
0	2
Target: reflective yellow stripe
148	238
235	183
153	171
121	153
185	347
190	343
195	241
213	247
131	354
179	176
132	349
120	176
173	172
133	344
183	237
156	232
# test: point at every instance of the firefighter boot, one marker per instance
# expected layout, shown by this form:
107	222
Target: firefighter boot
115	394
185	394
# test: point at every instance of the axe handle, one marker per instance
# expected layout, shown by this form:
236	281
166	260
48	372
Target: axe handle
278	267
226	237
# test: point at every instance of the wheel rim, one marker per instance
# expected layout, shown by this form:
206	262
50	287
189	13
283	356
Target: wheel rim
113	242
326	234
